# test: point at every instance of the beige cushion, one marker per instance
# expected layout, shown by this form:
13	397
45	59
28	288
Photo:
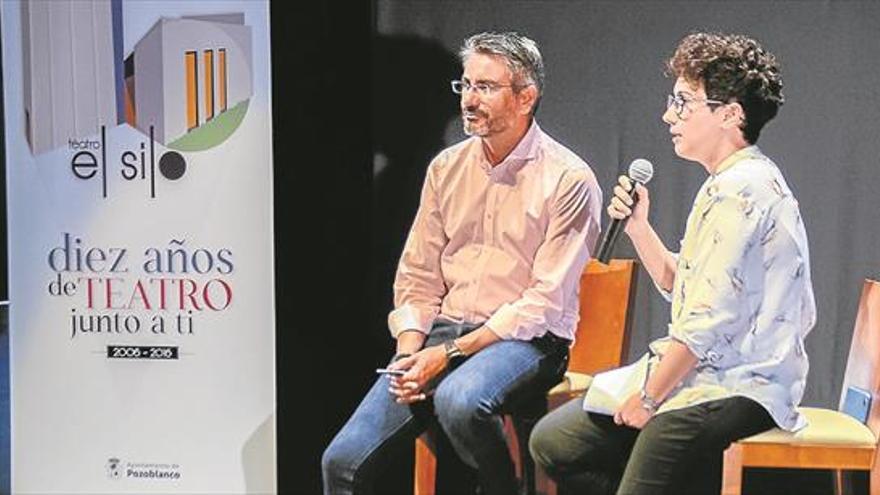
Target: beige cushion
572	384
826	427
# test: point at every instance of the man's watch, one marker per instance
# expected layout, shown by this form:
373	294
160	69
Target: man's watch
648	402
453	353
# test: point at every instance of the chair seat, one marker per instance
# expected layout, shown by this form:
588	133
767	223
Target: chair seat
572	384
826	427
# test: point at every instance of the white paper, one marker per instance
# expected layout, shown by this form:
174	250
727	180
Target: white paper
610	389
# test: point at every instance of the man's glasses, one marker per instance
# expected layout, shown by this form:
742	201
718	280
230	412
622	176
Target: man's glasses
679	103
482	88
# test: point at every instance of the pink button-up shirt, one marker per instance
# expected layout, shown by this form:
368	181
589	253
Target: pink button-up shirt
501	246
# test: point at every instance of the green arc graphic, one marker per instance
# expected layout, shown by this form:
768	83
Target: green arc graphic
213	132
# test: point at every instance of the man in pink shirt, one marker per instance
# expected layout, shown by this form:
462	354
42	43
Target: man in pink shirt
486	292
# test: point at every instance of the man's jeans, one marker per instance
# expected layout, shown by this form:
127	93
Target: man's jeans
467	403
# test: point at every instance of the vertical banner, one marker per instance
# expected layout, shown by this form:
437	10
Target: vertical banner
139	168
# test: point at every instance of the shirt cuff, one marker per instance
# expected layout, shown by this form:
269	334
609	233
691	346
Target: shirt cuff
699	347
409	317
503	322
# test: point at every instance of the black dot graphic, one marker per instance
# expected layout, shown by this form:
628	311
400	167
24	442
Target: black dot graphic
172	165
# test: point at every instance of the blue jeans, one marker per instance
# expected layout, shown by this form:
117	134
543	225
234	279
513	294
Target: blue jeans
467	404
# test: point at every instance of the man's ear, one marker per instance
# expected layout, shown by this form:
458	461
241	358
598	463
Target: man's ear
526	98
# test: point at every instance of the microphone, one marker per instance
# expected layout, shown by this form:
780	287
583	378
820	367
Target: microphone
641	171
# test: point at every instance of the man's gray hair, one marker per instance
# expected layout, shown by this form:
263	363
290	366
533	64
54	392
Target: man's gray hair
521	53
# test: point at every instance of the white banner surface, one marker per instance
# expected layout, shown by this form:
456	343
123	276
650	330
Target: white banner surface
139	170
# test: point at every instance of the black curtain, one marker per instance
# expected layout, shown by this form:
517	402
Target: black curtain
322	183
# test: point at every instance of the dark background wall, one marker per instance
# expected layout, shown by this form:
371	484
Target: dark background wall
325	348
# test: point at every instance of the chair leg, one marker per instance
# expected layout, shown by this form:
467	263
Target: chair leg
524	422
844	483
544	485
874	480
425	465
520	442
731	481
517	430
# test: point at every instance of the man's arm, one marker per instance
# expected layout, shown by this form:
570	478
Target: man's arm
418	292
418	284
559	261
409	342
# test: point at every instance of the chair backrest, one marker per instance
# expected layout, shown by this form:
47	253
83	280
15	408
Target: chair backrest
607	293
863	364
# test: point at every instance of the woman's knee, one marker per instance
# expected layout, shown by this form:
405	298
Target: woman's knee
552	444
544	445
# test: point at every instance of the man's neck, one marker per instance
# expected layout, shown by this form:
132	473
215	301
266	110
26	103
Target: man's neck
499	146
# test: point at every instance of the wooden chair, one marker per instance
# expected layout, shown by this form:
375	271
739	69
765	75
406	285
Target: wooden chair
833	439
606	296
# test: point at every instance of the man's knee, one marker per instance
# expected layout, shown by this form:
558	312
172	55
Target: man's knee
338	460
456	405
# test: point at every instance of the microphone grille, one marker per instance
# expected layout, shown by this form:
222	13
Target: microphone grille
641	170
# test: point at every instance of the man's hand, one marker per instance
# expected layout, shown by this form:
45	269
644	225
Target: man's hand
420	368
632	414
621	205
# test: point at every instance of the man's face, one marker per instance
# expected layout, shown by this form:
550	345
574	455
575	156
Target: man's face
697	131
485	115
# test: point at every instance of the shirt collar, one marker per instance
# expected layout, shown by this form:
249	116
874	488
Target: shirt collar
527	147
525	150
737	156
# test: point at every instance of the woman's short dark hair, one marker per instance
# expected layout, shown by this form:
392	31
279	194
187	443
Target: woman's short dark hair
732	68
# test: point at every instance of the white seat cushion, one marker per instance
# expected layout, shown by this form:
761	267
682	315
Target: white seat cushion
826	427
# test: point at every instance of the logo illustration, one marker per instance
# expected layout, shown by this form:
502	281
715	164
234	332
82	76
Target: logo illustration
189	79
114	469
